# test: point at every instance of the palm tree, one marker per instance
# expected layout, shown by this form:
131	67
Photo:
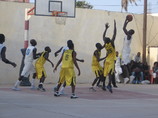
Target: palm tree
124	3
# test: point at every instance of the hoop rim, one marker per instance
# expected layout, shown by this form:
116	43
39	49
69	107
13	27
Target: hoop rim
56	13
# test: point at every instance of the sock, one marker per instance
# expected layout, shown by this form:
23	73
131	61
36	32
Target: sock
56	85
33	82
17	83
62	88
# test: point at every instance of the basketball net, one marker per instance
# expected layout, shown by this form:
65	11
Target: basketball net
60	17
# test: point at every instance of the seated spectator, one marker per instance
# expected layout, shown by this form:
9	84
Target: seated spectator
137	73
155	72
118	69
146	71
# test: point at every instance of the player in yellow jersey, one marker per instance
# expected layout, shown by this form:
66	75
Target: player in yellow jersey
61	50
109	64
39	65
97	68
67	72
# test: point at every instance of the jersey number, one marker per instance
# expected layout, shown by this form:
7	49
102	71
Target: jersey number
28	51
66	57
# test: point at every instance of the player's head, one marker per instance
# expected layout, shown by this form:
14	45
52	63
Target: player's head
131	31
33	42
138	54
2	38
98	46
70	45
107	40
47	49
69	41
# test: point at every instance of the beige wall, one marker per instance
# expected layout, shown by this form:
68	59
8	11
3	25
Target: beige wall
85	30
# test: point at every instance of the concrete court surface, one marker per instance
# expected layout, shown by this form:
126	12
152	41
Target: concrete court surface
126	101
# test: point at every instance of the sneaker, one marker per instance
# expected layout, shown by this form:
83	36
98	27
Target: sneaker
104	88
99	86
73	96
126	80
16	89
41	89
115	86
56	94
91	88
61	92
109	88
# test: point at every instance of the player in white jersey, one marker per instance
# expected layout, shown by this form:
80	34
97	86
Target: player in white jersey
29	68
126	50
118	69
3	51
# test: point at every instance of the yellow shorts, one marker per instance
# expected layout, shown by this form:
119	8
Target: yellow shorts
109	66
40	71
97	70
67	75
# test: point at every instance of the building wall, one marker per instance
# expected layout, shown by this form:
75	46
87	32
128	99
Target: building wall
85	30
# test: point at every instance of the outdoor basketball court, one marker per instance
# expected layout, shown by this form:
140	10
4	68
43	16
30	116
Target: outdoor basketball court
126	101
132	101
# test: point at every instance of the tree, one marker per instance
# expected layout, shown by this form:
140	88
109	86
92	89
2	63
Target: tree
83	4
124	3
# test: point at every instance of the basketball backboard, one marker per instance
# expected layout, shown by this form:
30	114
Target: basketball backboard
45	7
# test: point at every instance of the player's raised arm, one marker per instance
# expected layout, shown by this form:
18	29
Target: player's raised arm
125	27
115	30
106	27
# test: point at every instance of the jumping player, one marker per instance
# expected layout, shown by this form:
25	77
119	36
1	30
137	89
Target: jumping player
39	65
126	50
30	55
97	68
68	60
3	49
109	64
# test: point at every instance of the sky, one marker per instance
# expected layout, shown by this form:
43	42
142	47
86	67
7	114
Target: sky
115	5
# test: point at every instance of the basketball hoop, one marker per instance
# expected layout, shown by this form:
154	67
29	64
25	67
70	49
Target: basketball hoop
60	17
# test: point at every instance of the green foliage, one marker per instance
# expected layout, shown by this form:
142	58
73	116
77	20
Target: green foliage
83	4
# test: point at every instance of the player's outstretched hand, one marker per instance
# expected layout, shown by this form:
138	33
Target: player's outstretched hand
79	72
107	25
56	54
82	60
52	64
55	69
13	64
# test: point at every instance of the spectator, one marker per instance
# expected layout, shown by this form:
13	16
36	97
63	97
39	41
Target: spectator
137	73
118	69
137	58
155	72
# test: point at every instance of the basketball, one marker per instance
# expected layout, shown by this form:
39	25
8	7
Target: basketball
129	17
